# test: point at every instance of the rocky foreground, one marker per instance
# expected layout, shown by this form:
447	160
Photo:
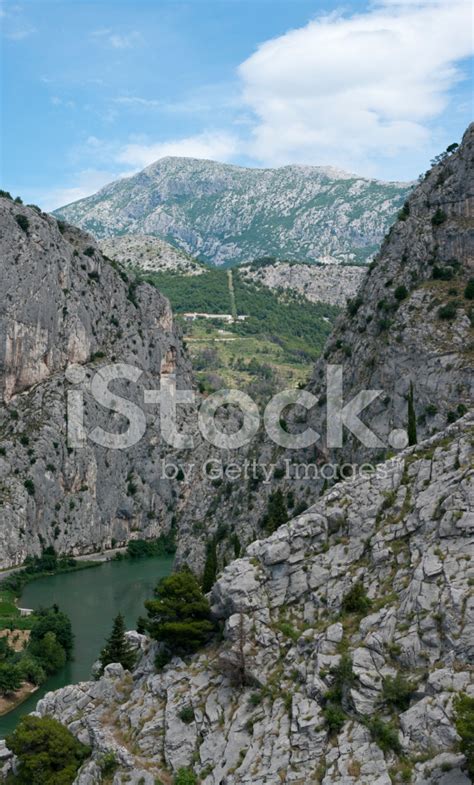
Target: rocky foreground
258	698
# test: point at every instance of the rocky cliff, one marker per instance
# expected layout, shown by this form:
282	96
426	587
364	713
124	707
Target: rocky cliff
150	254
330	284
364	604
228	214
66	313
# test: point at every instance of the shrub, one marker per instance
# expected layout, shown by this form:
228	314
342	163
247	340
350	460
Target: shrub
401	292
469	290
185	777
404	212
397	691
6	194
439	217
22	222
411	415
443	273
108	764
179	617
30	486
186	715
447	311
464	721
384	734
334	717
89	251
47	752
356	600
10	678
354	305
210	566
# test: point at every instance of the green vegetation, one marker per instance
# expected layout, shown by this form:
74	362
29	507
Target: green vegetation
186	715
401	293
464	721
337	698
117	647
161	546
356	600
48	753
397	691
22	222
448	311
277	512
469	290
411	430
185	777
210	566
439	217
385	734
179	617
283	328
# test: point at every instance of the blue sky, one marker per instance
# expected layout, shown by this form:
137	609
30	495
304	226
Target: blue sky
97	90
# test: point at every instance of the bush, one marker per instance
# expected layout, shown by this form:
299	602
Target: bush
6	194
22	222
49	653
54	620
404	212
443	273
30	486
89	251
439	217
47	752
186	715
384	734
179	617
447	311
10	678
469	290
464	721
356	600
397	691
401	292
185	777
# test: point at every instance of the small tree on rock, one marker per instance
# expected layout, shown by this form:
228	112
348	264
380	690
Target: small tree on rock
117	647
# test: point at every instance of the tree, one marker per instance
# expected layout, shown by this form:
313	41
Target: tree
464	721
10	678
277	513
179	617
54	620
210	567
47	752
412	438
117	647
49	652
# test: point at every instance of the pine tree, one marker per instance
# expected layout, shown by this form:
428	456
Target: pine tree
277	513
411	417
117	647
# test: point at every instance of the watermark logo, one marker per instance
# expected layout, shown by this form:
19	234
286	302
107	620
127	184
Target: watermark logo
167	399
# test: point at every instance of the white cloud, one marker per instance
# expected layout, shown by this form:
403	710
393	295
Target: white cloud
134	100
347	90
117	40
217	146
87	182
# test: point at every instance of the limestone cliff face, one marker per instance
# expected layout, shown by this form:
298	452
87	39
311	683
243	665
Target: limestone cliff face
411	323
404	534
63	304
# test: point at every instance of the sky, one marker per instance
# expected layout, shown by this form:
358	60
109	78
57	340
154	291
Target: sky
93	91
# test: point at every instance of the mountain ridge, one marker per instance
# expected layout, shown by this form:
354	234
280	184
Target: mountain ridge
226	214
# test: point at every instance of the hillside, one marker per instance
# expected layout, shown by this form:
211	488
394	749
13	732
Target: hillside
330	284
226	214
150	254
347	636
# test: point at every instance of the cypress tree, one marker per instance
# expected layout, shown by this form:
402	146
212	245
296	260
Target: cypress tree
210	567
411	417
117	647
277	513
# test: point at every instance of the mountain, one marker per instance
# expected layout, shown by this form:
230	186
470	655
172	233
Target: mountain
317	283
226	214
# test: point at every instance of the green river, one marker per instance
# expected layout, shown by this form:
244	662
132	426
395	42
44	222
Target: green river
91	598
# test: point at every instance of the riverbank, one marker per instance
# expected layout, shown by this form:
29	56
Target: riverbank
91	599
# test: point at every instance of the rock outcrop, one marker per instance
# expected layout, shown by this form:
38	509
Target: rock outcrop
330	284
228	214
399	542
150	254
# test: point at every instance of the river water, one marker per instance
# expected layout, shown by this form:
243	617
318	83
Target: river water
91	598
